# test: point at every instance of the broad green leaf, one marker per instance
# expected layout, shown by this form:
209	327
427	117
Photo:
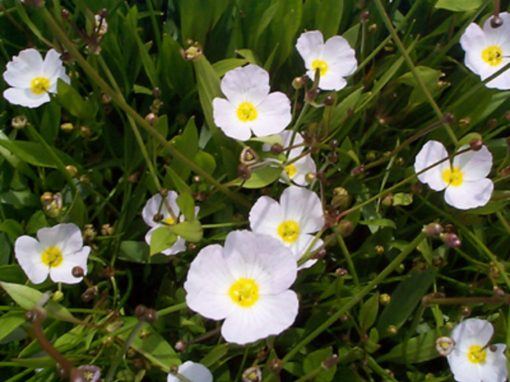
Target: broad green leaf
34	153
72	101
10	322
12	228
188	230
187	206
162	238
223	66
261	177
208	84
138	252
314	361
402	199
12	273
29	298
174	72
405	299
459	5
368	312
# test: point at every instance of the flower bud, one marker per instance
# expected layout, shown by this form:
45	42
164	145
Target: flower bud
140	311
341	272
341	198
384	299
345	228
19	122
275	365
310	177
192	53
89	294
85	132
151	118
433	229
77	271
451	240
72	170
180	346
464	122
445	345
276	148
252	374
358	170
329	100
107	230
57	296
387	200
248	156
379	250
496	21
476	144
465	311
298	82
392	330
89	233
311	95
243	171
448	118
67	127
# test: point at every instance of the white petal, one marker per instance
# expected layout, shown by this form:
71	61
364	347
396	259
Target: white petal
472	328
261	257
64	272
265	216
495	368
462	369
473	38
332	81
194	372
471	194
18	76
498	35
225	117
24	97
340	56
432	152
28	253
303	206
52	65
474	164
249	82
208	282
298	141
274	115
155	206
310	45
66	236
501	82
302	245
29	59
271	315
304	166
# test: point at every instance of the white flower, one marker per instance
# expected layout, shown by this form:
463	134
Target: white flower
246	282
249	106
296	171
56	252
292	221
194	372
335	59
472	358
100	25
157	208
488	50
32	79
464	180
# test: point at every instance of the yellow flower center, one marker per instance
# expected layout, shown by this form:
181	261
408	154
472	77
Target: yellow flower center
52	257
476	354
453	176
244	292
321	65
493	55
169	220
289	231
40	85
291	170
246	112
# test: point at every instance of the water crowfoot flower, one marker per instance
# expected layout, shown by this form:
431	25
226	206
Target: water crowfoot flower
32	79
156	213
488	50
292	221
194	372
472	359
464	179
56	252
246	282
249	107
335	59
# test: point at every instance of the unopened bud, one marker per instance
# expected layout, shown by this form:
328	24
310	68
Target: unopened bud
67	127
496	21
252	374
140	311
298	82
77	271
180	346
275	365
379	250
311	95
248	156
341	272
72	170
364	16
465	311
392	330
464	122
89	294
85	132
57	296
151	118
276	148
329	100
192	53
445	345
448	118
341	198
89	233
310	177
106	230
476	144
358	170
243	172
387	200
451	240
19	122
433	229
384	299
345	228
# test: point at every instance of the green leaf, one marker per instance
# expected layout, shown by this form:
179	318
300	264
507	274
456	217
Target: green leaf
368	312
430	78
405	299
314	360
162	238
10	322
208	84
29	298
379	223
188	230
71	100
205	161
187	206
459	5
34	153
223	66
418	349
261	177
138	252
12	228
12	273
402	199
174	72
36	222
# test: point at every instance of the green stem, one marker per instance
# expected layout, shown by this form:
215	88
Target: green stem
171	309
119	100
395	263
415	73
348	258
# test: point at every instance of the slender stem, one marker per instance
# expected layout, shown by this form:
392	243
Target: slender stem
395	263
118	99
432	300
171	309
348	258
415	73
